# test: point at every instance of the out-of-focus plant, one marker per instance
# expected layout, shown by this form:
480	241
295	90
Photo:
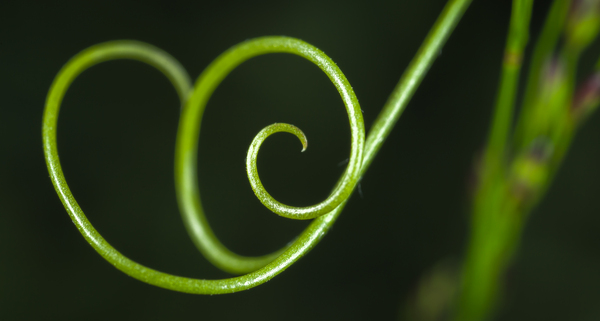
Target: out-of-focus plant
517	167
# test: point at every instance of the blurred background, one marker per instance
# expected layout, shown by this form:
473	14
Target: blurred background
116	141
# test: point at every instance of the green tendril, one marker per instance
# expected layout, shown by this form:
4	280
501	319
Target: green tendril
266	266
192	116
259	269
187	141
251	169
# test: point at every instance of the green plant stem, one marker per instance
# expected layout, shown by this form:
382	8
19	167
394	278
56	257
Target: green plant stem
495	223
412	77
544	49
516	42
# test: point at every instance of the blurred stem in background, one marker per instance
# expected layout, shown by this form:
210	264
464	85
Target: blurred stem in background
513	177
516	169
493	229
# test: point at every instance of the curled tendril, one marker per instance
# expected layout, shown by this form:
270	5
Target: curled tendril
187	141
259	269
255	146
210	79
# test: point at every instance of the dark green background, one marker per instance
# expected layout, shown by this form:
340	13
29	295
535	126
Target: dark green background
116	142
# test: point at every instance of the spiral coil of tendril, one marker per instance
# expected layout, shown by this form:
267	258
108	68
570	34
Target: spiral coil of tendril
257	270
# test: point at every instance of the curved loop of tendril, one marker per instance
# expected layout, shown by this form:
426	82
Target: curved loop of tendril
386	120
189	128
264	268
187	141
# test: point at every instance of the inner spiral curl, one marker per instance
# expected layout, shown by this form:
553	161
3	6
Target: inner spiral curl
207	82
186	152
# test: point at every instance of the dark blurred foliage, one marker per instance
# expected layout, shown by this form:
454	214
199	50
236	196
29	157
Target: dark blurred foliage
116	142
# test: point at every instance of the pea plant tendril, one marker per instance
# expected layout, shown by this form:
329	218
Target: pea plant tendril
516	167
256	270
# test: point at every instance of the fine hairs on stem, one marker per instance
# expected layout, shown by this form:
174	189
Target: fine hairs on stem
256	270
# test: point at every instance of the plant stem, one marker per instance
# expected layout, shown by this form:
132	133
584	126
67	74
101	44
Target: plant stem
544	48
412	77
511	67
497	217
